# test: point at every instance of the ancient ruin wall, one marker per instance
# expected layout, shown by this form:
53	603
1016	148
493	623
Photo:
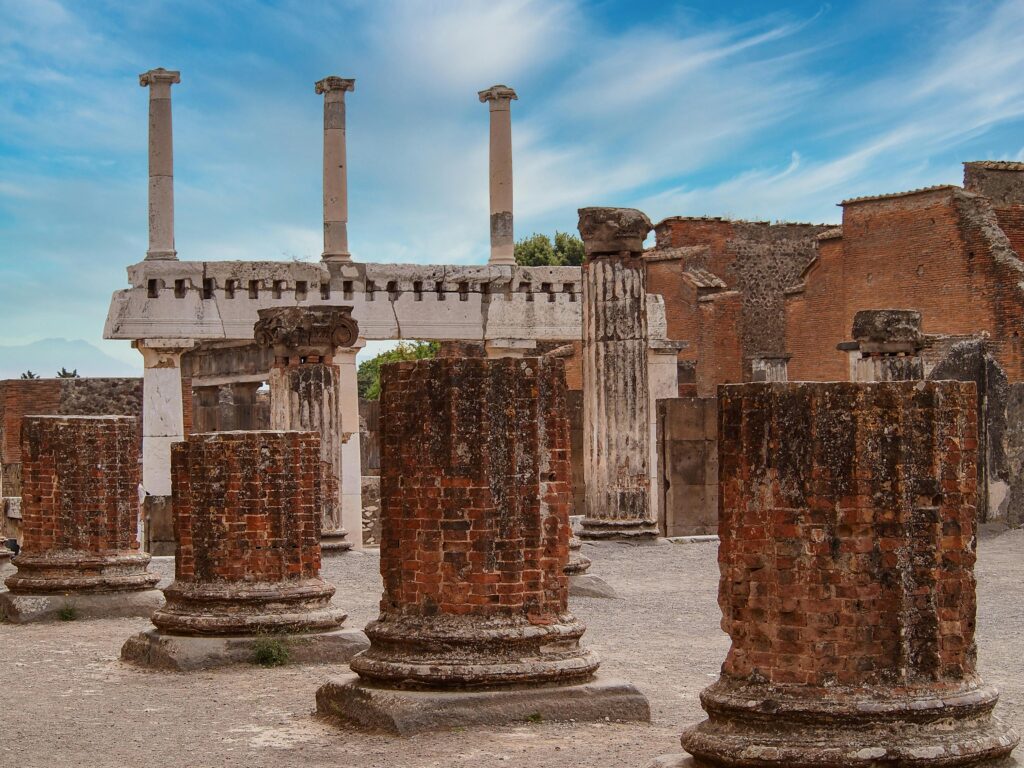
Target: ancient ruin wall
475	488
848	532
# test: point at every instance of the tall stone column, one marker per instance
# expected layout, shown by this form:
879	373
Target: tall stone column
500	97
617	424
161	163
335	168
163	423
848	541
246	511
351	442
80	477
474	625
306	394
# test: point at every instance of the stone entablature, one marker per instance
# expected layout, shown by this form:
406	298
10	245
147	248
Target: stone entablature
220	300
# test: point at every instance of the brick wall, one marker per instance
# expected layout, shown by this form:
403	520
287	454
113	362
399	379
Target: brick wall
80	477
847	532
475	486
247	506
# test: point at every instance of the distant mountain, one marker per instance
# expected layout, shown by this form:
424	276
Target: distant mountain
47	356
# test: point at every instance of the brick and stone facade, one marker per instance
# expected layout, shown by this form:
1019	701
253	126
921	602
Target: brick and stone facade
79	511
475	485
247	521
847	588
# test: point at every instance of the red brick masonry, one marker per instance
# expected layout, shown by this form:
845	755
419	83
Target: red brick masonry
80	477
847	525
475	487
247	521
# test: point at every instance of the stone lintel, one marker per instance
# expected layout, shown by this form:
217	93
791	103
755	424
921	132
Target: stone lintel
888	325
613	230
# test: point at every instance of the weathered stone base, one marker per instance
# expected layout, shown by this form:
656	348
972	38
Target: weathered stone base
179	653
586	585
756	726
334	543
22	609
407	712
623	530
682	760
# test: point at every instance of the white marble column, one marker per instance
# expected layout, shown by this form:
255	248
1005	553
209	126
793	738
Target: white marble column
335	168
163	415
500	97
616	391
351	456
161	163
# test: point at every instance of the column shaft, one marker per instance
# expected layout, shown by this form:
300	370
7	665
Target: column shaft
499	98
161	164
335	168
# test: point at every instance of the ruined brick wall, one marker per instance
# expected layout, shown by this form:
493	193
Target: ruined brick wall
1000	182
80	477
247	506
682	317
848	532
940	252
475	487
757	259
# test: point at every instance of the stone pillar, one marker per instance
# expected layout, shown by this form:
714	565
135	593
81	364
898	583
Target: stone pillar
662	384
351	443
163	423
617	423
244	403
335	168
500	97
80	553
848	541
161	163
886	346
308	393
247	519
474	625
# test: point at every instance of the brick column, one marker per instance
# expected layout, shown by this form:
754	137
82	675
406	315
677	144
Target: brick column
617	422
80	552
475	493
247	520
307	393
847	525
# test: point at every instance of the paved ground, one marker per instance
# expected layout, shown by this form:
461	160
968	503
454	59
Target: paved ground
68	701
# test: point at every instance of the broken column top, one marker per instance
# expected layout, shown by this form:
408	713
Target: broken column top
159	75
888	326
613	230
497	93
335	83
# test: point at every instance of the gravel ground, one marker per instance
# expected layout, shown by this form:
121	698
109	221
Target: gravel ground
69	701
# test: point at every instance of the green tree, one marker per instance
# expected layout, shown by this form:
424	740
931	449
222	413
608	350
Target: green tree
538	251
64	373
368	375
29	375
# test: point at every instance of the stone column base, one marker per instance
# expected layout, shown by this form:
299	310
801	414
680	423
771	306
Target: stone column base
22	608
624	530
761	725
588	585
334	543
179	653
406	712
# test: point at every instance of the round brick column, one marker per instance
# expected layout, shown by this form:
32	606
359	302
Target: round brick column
847	526
475	490
247	521
80	506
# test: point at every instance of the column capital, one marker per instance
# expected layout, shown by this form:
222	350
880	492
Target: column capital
305	331
498	94
159	76
163	353
334	83
613	230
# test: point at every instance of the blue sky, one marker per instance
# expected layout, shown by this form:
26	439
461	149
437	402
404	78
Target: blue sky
745	109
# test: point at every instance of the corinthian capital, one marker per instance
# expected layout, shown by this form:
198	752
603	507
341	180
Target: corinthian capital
299	331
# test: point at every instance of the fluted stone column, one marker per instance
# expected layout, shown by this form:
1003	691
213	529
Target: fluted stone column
616	426
335	168
500	97
161	163
306	395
